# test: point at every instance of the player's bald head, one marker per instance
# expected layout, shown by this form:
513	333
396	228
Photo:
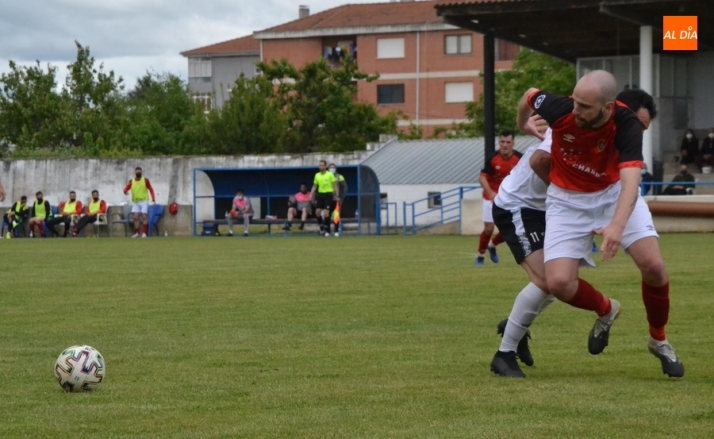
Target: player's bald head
600	83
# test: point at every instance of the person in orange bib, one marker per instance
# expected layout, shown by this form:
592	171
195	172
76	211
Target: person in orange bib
140	188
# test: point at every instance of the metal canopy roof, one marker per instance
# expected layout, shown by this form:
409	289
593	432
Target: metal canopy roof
437	161
571	29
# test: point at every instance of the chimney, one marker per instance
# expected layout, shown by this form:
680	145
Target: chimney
304	11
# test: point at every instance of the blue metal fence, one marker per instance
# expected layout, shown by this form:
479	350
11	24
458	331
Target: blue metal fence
447	204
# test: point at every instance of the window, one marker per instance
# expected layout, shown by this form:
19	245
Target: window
390	48
434	199
457	44
390	94
199	70
459	92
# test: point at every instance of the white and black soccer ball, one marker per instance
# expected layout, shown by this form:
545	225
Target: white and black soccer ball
80	369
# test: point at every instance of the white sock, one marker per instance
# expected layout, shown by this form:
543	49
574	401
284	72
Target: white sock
490	244
531	301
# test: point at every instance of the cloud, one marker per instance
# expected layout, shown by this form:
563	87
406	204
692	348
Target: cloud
133	36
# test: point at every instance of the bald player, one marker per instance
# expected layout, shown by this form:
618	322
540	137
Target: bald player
596	158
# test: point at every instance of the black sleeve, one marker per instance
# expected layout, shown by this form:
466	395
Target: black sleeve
32	211
518	154
549	106
487	165
48	210
628	137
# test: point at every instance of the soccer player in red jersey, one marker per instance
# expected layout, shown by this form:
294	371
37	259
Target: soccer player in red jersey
496	168
596	159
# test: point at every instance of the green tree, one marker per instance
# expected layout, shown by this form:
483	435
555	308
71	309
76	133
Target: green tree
29	107
530	69
251	121
320	103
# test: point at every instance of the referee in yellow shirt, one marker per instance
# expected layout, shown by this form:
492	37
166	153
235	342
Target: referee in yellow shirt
326	186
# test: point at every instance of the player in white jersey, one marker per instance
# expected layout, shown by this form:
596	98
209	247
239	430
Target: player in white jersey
519	213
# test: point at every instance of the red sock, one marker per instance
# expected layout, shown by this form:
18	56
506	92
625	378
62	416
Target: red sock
590	299
146	229
483	243
136	231
656	300
497	239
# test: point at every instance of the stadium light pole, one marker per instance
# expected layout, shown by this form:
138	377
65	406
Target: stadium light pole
489	93
646	85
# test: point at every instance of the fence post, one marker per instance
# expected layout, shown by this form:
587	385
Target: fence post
404	218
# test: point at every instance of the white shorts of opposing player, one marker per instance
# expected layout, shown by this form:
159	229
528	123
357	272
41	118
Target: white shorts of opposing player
140	207
487	211
572	216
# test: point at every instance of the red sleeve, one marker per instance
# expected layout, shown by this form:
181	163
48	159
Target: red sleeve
78	210
128	186
151	189
103	207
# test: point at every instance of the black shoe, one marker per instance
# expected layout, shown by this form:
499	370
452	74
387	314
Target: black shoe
505	364
600	334
523	352
670	362
302	226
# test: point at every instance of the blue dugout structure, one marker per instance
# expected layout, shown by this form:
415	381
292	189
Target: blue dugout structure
274	185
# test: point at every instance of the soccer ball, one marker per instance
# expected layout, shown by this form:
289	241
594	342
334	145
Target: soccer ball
79	369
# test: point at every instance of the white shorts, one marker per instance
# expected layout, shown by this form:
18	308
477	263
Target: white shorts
572	216
140	207
487	211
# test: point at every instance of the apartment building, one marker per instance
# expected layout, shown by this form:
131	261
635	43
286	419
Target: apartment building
428	69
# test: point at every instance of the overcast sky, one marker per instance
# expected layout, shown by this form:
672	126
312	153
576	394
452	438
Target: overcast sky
133	36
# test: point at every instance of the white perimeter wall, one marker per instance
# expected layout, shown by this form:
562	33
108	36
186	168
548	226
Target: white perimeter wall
172	178
702	90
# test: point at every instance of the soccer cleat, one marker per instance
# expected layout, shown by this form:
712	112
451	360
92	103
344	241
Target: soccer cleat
479	260
600	334
337	234
522	352
492	253
505	364
287	227
8	236
245	233
302	226
595	249
670	362
326	234
230	234
143	235
135	235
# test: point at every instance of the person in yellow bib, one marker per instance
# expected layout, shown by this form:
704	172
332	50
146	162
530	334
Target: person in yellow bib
140	189
40	212
94	209
326	186
68	210
16	216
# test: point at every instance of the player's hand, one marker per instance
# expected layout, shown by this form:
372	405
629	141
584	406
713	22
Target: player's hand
612	239
540	123
534	127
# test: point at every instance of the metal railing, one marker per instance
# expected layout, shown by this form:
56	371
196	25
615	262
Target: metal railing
387	209
447	204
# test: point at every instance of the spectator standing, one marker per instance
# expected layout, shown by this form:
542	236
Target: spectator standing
300	204
16	215
95	208
70	208
706	154
324	191
241	210
342	185
140	188
683	177
41	212
689	148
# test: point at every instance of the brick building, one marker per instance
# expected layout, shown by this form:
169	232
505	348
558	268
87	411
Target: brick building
428	69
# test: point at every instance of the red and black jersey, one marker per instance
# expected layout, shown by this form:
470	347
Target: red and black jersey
589	160
496	168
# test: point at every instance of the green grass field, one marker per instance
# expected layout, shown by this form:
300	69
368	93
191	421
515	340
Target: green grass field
374	337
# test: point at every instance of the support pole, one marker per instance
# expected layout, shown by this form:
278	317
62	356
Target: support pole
489	93
646	85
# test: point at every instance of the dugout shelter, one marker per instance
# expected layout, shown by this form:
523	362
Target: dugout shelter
269	189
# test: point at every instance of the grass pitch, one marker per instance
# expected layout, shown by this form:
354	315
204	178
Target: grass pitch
374	337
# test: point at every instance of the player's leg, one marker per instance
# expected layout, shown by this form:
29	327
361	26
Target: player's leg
641	242
229	221
318	216
303	218
246	223
327	212
144	205
485	238
292	213
136	211
67	220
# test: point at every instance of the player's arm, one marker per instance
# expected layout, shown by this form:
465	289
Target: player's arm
48	210
151	190
128	187
486	186
102	207
313	190
524	114
78	208
540	162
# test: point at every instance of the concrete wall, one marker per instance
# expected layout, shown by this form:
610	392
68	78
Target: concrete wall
702	89
172	178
